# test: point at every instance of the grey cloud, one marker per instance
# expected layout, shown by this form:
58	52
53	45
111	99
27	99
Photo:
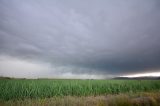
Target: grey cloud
102	37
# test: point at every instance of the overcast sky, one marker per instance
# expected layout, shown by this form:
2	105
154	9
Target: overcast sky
79	38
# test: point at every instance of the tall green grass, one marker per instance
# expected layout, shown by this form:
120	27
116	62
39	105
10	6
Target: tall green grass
21	89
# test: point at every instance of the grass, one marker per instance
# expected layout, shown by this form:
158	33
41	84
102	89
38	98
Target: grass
138	99
15	89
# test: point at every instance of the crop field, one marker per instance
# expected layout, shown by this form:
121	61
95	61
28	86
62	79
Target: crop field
22	89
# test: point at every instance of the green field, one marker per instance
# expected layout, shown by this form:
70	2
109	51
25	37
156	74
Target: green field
44	88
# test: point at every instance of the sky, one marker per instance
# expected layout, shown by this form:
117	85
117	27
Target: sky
79	38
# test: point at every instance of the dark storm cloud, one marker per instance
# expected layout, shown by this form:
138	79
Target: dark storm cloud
102	37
